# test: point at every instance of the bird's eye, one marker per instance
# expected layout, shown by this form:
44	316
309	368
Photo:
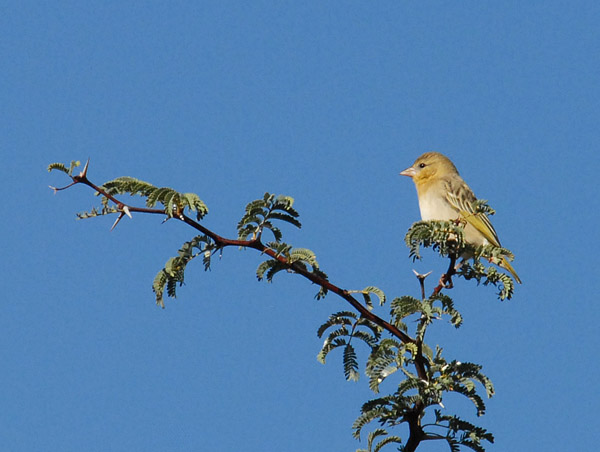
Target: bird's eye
422	165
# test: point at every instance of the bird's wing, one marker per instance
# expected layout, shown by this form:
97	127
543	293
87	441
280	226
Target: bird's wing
462	198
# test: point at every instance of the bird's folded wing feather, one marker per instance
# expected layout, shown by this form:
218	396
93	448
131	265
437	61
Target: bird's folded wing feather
462	198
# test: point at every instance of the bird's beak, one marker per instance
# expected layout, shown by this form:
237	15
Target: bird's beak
410	172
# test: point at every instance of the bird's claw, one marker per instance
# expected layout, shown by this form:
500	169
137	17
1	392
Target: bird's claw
446	281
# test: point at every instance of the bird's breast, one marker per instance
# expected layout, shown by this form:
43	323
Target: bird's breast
435	207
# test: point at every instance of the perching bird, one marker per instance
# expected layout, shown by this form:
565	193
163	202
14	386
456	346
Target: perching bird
444	195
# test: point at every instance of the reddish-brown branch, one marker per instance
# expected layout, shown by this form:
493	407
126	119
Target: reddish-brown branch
256	244
414	420
446	278
82	179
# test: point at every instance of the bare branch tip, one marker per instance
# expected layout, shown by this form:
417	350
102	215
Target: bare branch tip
55	189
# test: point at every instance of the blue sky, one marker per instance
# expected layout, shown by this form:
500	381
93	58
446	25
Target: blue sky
325	102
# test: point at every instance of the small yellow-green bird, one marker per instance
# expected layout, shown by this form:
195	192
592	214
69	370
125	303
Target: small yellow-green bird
444	195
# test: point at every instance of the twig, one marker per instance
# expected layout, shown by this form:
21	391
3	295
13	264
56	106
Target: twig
421	279
446	278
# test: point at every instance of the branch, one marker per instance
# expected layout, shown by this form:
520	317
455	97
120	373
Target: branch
256	244
446	278
416	433
259	246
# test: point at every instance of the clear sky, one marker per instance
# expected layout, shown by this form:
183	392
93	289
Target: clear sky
325	102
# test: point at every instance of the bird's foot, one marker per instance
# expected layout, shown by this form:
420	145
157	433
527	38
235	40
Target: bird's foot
446	281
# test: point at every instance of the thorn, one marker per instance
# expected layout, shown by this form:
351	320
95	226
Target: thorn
421	277
127	212
121	215
85	168
54	189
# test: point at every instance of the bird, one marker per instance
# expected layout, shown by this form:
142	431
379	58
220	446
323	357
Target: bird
444	195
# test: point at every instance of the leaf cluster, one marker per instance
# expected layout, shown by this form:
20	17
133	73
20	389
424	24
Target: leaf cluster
106	209
414	395
174	203
259	215
389	356
460	433
427	310
68	170
447	238
373	446
488	274
345	326
173	273
291	259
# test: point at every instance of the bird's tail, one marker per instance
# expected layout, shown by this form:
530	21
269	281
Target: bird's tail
505	264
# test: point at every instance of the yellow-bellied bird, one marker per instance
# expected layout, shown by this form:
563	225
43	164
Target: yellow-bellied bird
444	195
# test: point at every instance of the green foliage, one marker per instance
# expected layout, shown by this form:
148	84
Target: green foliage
62	167
489	275
173	202
416	393
412	391
447	238
95	212
130	186
258	216
260	213
345	326
386	358
376	447
173	273
405	306
461	433
293	259
366	293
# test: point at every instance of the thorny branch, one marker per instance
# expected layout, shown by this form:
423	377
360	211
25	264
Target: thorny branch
446	278
416	434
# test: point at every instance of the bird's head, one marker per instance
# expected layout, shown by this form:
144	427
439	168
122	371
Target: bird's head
428	166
